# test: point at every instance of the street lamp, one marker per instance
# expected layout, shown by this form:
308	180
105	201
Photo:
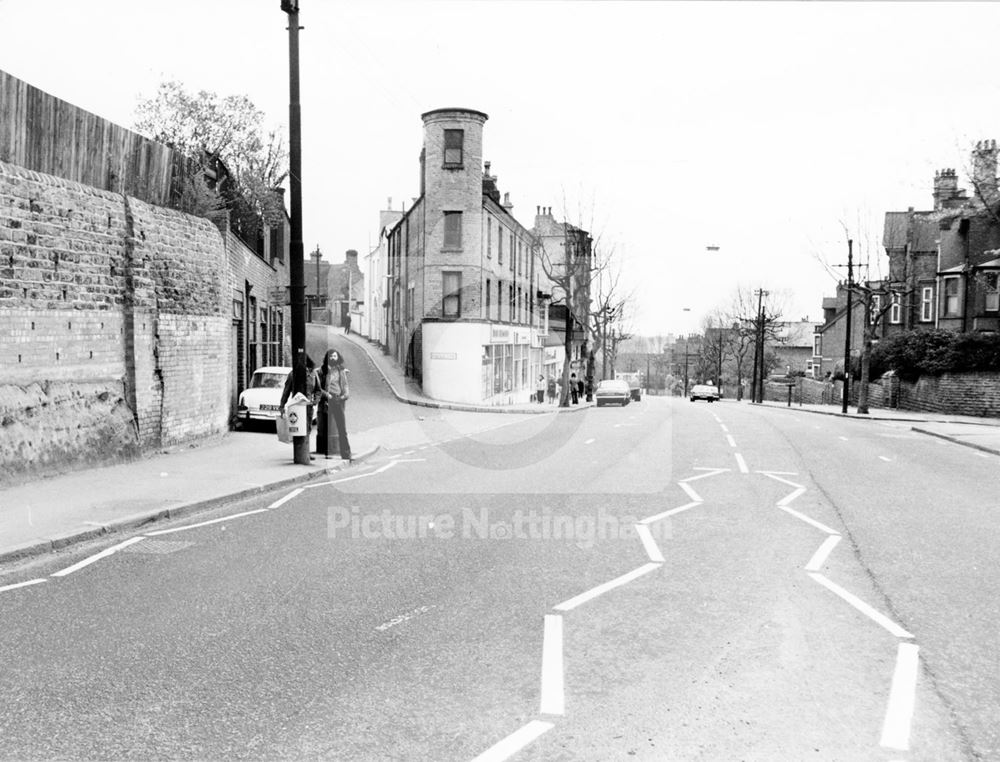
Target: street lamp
687	338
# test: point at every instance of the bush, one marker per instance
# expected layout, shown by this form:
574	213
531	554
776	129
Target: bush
916	353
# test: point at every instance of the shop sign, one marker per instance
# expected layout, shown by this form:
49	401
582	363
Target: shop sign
444	356
500	334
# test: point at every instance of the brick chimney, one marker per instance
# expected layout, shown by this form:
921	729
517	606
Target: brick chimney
984	169
945	189
506	203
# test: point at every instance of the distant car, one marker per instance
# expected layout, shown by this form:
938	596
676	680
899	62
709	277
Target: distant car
612	391
705	392
260	401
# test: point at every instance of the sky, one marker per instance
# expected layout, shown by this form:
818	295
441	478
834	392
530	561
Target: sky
773	131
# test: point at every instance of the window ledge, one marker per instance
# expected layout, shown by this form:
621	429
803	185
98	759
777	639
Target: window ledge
452	166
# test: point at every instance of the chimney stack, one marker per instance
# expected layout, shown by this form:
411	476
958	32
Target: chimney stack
984	170
945	188
506	202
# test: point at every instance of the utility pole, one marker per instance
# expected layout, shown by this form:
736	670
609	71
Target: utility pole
757	392
847	324
297	287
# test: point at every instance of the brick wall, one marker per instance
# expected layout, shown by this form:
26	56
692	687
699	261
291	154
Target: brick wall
975	394
113	333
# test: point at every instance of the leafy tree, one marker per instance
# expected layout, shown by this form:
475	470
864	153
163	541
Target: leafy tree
207	130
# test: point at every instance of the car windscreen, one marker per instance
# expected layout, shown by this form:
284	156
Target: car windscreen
267	381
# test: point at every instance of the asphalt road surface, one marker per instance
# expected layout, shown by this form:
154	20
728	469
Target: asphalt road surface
664	581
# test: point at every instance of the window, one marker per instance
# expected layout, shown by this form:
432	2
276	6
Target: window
499	300
453	230
409	303
510	303
876	309
896	309
951	300
489	299
513	255
453	140
992	303
817	345
499	245
451	299
927	303
489	237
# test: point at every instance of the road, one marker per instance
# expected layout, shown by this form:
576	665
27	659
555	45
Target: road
798	587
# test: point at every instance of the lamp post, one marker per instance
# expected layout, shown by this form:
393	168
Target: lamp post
687	338
296	286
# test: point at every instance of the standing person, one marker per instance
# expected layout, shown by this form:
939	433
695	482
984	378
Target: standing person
540	390
333	393
552	389
312	390
574	389
347	323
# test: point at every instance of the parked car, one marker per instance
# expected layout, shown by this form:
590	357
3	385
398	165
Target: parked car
260	400
612	391
705	392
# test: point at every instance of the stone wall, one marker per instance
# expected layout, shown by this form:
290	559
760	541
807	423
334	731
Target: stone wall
113	326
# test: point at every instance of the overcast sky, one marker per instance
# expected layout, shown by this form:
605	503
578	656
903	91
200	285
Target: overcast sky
663	127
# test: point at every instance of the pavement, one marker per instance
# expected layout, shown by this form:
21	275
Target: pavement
57	512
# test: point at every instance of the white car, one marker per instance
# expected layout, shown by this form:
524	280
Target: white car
706	392
260	400
613	391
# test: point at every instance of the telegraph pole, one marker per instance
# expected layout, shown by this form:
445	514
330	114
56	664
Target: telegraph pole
847	323
297	286
757	392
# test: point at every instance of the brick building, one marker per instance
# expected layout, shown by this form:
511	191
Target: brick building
944	263
375	314
464	315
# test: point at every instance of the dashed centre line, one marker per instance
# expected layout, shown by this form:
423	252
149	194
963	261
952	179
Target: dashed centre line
729	438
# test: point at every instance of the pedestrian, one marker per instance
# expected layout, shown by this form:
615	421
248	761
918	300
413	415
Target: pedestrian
540	390
574	389
347	323
333	392
312	390
552	389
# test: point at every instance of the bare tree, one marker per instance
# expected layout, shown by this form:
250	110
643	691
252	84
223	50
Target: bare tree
571	272
608	309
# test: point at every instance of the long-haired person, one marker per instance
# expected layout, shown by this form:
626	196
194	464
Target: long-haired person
333	394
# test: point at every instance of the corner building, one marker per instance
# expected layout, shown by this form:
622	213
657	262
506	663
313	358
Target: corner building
463	298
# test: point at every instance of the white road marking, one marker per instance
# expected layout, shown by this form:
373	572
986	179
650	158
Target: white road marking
206	523
742	464
887	460
808	520
724	427
691	493
513	743
790	497
15	586
899	713
671	512
779	473
820	556
553	697
843	439
861	606
652	550
729	438
572	603
379	470
97	557
291	495
711	472
771	475
982	455
590	441
388	625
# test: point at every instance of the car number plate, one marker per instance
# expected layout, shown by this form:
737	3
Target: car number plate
269	407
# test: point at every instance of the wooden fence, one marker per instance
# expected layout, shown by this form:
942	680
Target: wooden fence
43	133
